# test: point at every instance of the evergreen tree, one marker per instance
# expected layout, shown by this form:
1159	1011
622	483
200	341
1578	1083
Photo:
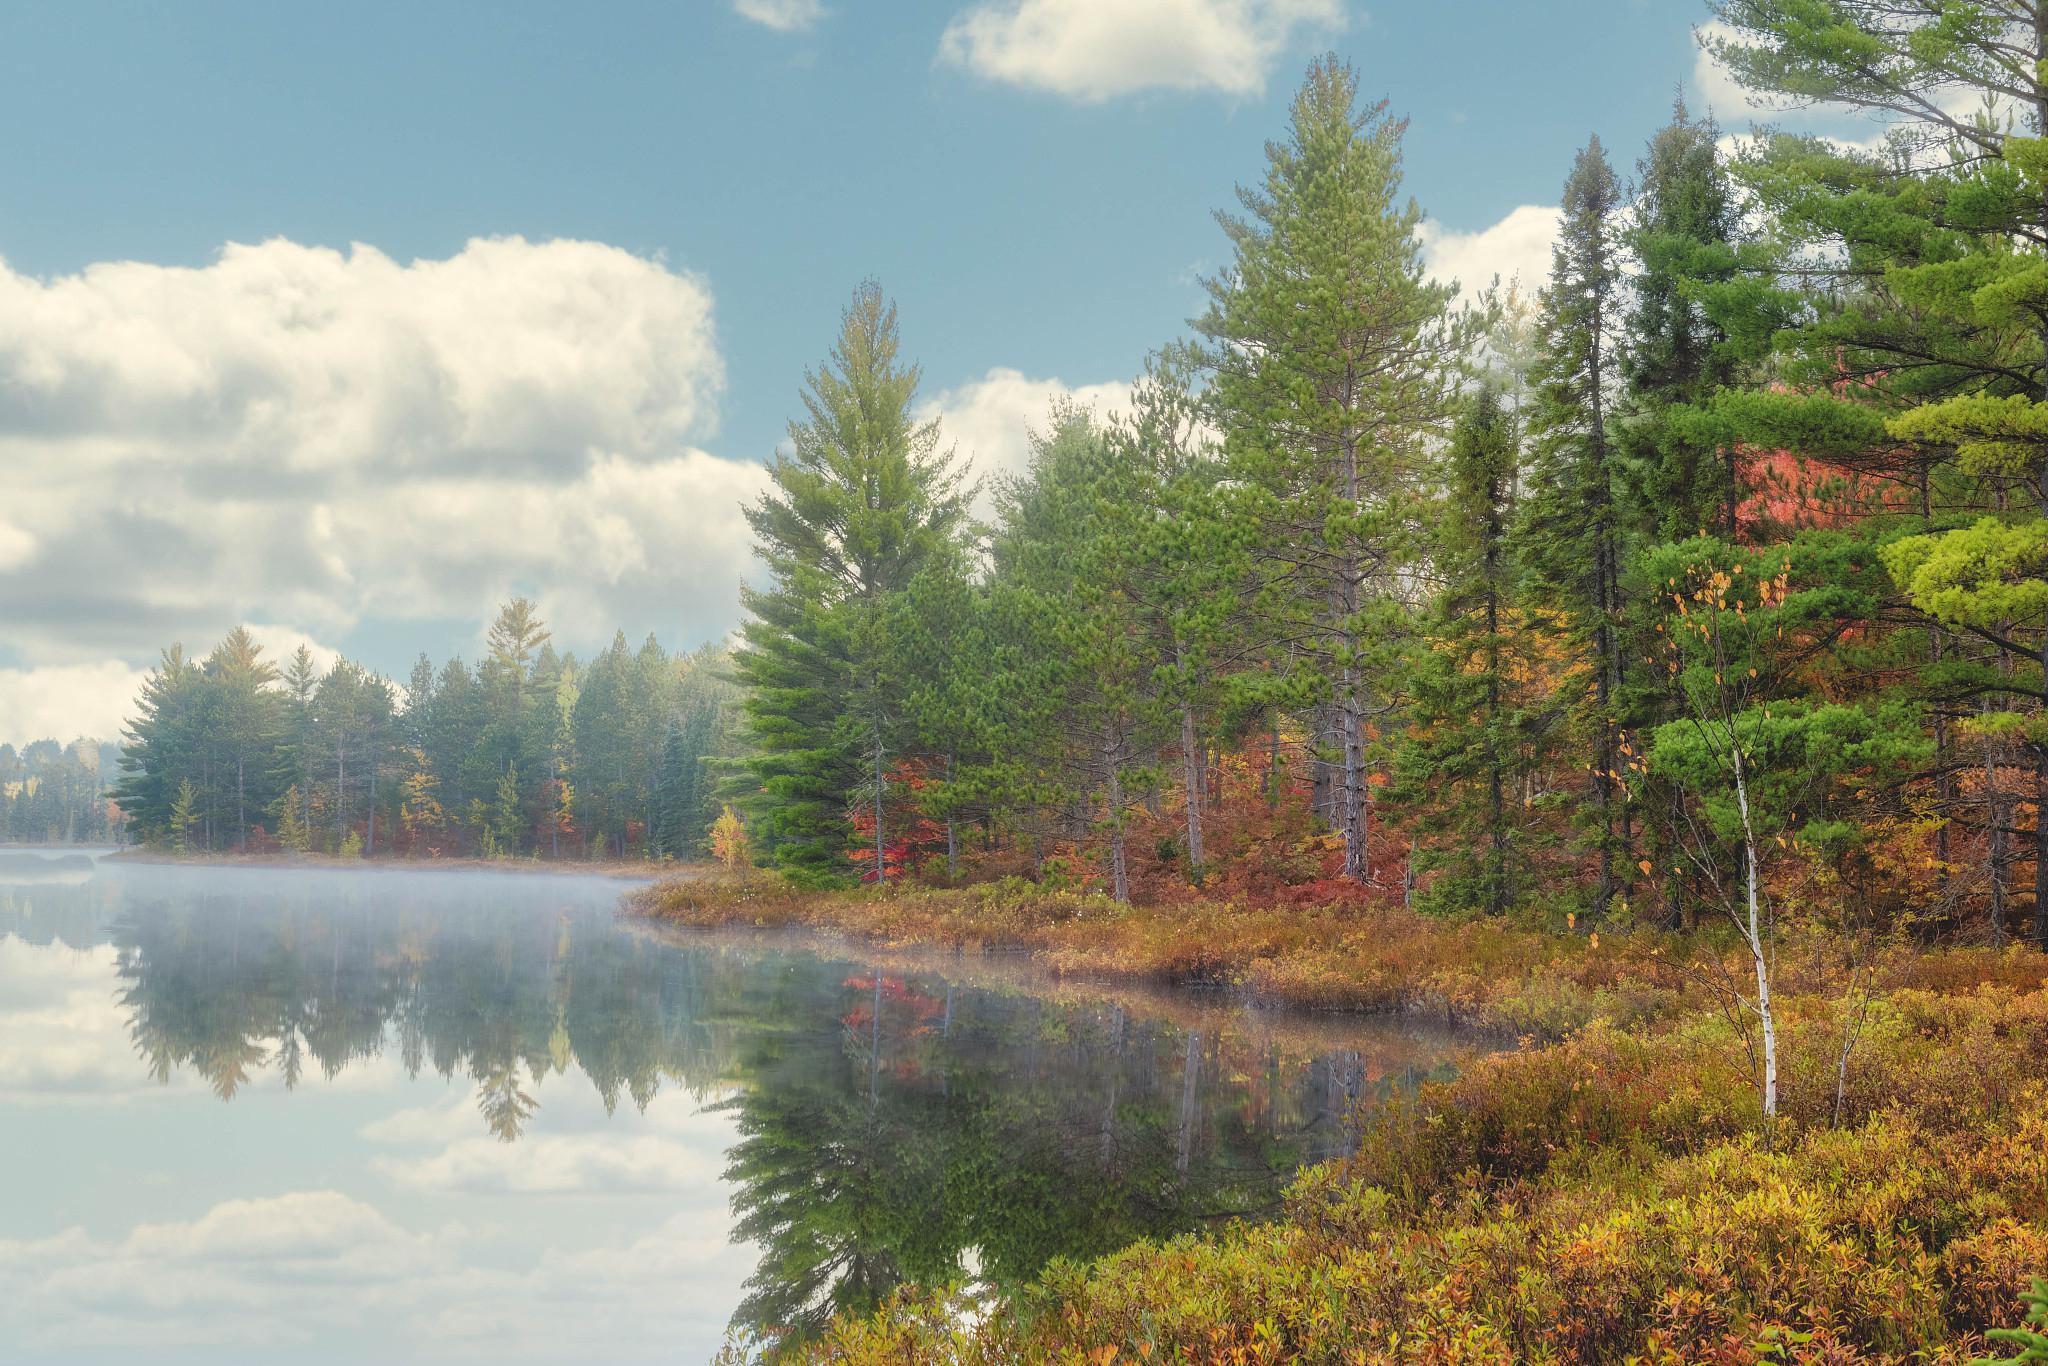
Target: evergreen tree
1459	765
1682	233
1572	532
1936	248
1084	718
1187	564
862	500
160	753
1334	359
453	733
248	720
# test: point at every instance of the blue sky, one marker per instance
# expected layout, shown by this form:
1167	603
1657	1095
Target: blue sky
1031	179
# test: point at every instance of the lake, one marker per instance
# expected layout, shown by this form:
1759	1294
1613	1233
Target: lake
268	1114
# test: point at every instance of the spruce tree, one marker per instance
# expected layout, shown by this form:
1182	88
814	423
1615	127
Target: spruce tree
248	718
1458	766
1572	534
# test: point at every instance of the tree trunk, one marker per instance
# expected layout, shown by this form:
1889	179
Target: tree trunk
1995	851
370	844
2041	836
1755	933
1119	871
1350	575
1273	764
1496	796
1357	863
952	847
881	869
1944	783
1191	780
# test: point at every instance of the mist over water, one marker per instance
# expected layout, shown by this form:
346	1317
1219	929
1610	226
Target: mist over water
254	1114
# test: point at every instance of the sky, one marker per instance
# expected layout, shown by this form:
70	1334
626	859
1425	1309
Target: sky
346	323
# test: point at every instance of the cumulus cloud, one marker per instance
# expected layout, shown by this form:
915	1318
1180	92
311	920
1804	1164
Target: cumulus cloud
675	1145
1095	50
989	421
360	1271
559	1164
63	1032
1860	131
66	701
216	1280
1713	85
1517	247
784	16
305	438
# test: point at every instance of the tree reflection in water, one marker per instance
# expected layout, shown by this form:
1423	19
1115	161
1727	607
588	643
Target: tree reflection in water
892	1127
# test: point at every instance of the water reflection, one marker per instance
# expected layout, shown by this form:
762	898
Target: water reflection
890	1125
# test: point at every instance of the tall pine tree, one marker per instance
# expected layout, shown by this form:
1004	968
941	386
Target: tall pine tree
1335	358
863	499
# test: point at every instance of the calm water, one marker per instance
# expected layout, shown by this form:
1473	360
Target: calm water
274	1115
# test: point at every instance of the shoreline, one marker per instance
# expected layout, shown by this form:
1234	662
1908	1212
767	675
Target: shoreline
635	870
1019	971
1493	981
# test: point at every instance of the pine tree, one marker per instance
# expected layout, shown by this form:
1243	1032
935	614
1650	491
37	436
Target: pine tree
160	753
1938	246
1572	533
248	720
1077	681
941	637
862	500
1676	356
1187	564
679	791
1334	359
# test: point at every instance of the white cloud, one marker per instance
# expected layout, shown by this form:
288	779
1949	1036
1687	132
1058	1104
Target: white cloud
66	701
784	16
559	1164
280	643
63	1032
680	1150
989	421
307	438
1849	130
1518	246
17	546
1098	49
1713	86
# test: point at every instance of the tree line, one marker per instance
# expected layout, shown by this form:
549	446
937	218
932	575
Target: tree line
1709	578
529	752
53	793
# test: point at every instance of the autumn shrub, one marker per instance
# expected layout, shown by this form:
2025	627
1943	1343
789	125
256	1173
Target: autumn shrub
1600	1190
1605	1198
